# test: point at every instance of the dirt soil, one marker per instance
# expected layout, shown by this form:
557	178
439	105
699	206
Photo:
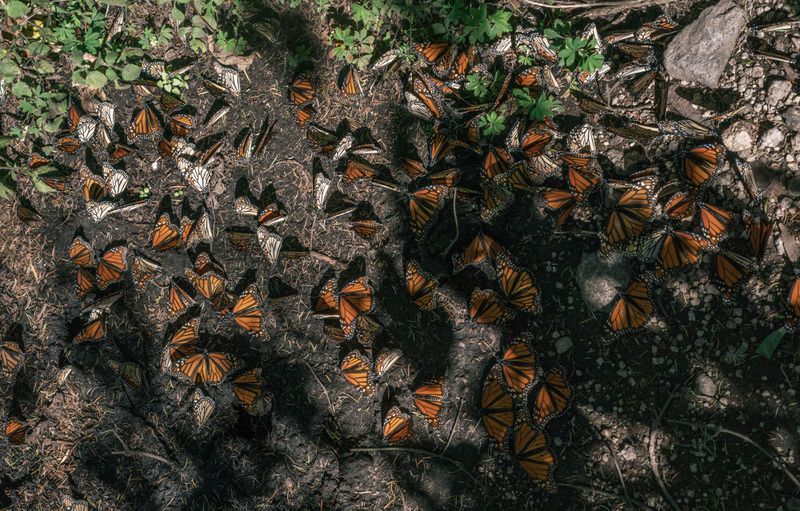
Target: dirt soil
640	401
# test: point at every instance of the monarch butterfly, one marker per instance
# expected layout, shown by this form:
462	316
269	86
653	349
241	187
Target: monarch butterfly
248	387
497	196
680	205
366	330
55	180
326	299
81	252
93	188
530	447
426	106
71	504
486	308
628	216
182	343
534	141
179	299
793	305
11	356
355	170
116	180
181	125
463	63
203	366
482	250
322	184
397	426
145	124
582	137
518	286
632	310
366	229
244	206
303	114
301	91
111	265
497	161
245	149
424	206
518	367
86	282
497	409
581	176
528	77
654	30
105	112
759	232
352	300
93	331
129	372
356	371
68	144
247	311
421	286
385	360
348	81
550	398
198	177
730	271
541	46
229	78
240	237
86	129
701	163
209	283
169	102
429	400
15	432
270	215
165	234
671	249
440	146
202	407
271	243
713	221
439	56
559	201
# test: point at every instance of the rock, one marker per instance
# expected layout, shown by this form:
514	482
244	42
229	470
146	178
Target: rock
738	137
599	279
791	116
771	138
778	91
700	52
563	345
706	386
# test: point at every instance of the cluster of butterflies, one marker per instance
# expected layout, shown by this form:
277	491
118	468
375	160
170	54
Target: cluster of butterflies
518	400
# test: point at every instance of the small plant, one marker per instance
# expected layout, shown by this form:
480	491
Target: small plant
477	85
537	108
573	52
149	38
299	56
353	46
174	84
492	124
465	24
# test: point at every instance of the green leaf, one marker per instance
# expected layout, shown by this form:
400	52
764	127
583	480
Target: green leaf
115	3
44	67
41	186
111	74
16	9
9	69
178	15
96	79
21	90
211	20
7	186
771	342
131	72
5	140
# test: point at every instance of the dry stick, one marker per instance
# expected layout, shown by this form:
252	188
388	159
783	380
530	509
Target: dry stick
610	495
453	429
455	463
740	436
455	219
324	390
131	452
651	448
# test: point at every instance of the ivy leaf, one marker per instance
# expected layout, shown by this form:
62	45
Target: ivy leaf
771	342
17	9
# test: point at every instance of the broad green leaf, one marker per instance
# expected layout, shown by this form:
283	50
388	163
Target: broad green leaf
44	67
5	140
96	79
131	72
178	15
17	9
111	74
21	90
9	69
771	342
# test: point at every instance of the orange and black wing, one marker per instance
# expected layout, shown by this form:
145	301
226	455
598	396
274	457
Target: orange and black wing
429	400
11	357
421	286
94	330
793	306
759	231
354	299
483	249
497	409
628	216
247	312
111	267
518	286
487	308
702	163
356	371
165	235
714	221
397	426
550	398
81	253
145	123
424	207
496	162
518	366
633	309
209	284
248	387
561	202
179	299
301	91
530	448
730	271
85	283
15	431
348	81
581	176
210	368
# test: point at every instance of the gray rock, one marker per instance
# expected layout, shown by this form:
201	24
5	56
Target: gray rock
599	279
738	137
771	138
563	345
778	91
700	52
706	386
791	116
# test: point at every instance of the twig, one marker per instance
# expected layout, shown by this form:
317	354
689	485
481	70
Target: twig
324	390
423	452
740	436
610	495
455	219
651	447
453	429
131	452
324	258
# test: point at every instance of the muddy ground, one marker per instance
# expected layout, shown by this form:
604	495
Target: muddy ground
639	401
